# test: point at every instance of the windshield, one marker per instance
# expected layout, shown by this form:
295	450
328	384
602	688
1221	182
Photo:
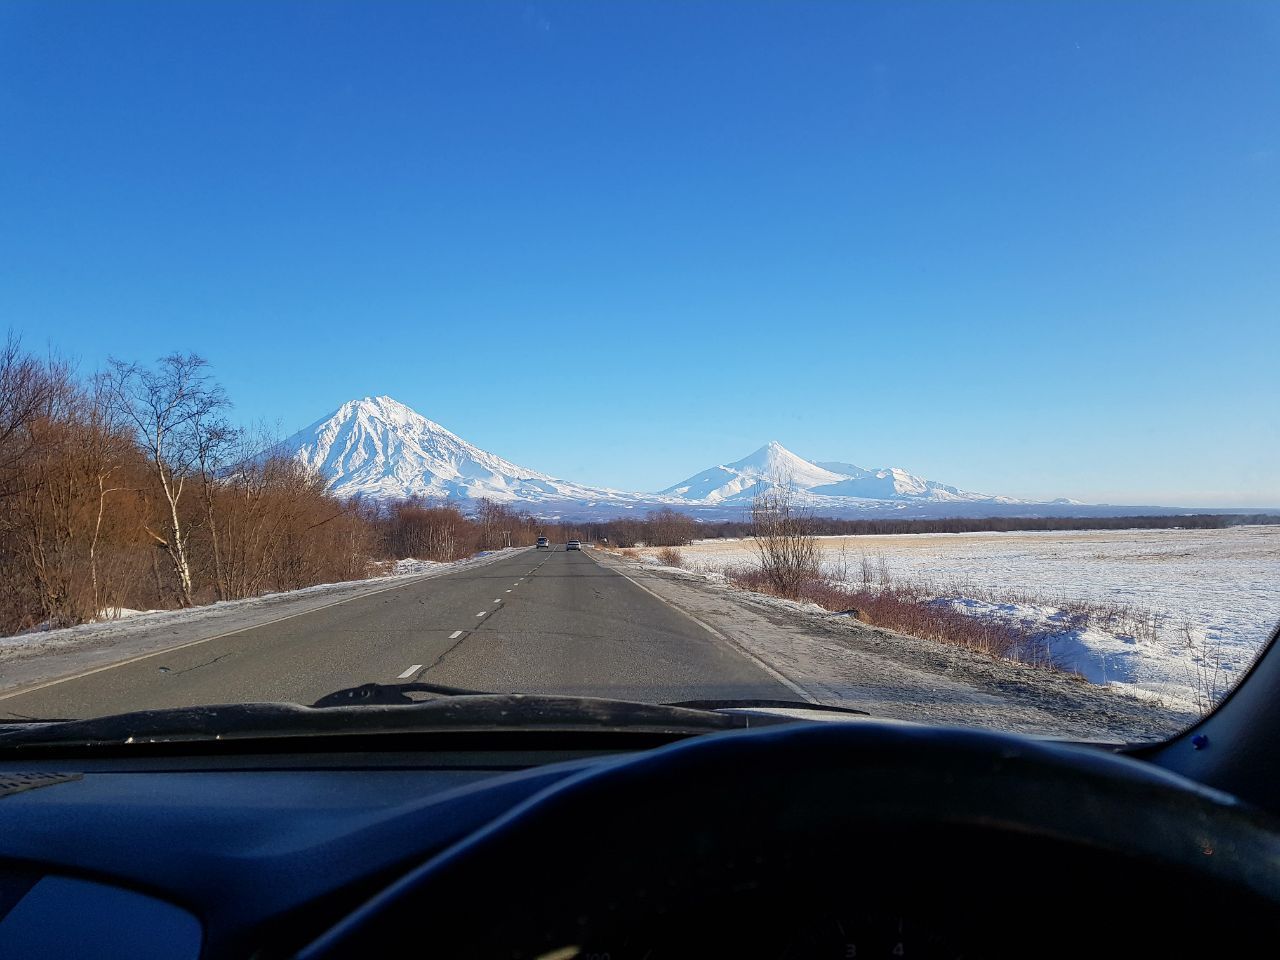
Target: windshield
912	358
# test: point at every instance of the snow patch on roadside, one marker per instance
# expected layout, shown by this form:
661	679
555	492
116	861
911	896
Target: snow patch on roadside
123	613
1186	670
410	566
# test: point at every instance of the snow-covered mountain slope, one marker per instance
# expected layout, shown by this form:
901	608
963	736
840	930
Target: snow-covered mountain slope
774	463
844	469
771	464
380	449
893	483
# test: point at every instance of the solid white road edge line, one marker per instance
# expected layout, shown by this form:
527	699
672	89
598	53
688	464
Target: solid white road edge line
725	639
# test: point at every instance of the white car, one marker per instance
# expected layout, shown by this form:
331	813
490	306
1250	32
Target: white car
573	545
543	543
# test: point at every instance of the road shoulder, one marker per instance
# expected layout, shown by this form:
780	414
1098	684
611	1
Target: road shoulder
836	659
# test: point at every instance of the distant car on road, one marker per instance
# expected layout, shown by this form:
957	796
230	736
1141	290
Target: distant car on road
573	545
544	543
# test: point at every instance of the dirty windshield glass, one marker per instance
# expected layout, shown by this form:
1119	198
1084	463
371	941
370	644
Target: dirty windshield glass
913	358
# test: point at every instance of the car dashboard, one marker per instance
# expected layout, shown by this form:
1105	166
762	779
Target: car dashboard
923	842
260	850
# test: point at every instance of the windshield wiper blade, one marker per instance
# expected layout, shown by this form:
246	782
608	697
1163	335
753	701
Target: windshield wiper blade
387	694
749	703
479	713
21	718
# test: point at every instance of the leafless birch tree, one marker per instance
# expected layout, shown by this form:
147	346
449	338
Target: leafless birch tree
172	408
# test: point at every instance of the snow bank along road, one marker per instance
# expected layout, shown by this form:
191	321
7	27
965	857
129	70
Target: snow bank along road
531	622
585	623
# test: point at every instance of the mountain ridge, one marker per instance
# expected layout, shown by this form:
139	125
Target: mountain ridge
377	448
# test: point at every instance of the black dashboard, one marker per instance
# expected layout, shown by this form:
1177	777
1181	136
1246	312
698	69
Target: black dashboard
263	849
805	840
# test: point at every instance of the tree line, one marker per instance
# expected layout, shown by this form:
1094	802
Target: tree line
829	526
670	528
130	489
657	528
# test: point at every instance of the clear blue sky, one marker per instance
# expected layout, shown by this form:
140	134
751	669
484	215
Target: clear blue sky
1024	248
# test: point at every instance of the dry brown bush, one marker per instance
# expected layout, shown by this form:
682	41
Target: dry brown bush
427	531
905	609
782	536
670	557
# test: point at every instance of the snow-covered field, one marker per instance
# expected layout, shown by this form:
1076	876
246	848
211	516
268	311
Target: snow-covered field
1190	607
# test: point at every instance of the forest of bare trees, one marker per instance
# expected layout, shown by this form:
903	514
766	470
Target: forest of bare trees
439	530
658	528
131	490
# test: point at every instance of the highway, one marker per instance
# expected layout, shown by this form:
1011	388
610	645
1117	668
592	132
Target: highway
554	622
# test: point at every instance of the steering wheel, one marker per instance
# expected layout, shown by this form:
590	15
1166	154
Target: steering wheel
701	843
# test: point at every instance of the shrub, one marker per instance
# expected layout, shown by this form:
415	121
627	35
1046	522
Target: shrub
907	609
786	548
670	556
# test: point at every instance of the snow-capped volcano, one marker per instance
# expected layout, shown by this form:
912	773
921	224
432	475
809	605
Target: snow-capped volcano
774	465
380	449
892	483
771	464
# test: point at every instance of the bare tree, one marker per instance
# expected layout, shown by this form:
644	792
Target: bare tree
669	528
218	445
172	409
54	521
104	452
783	538
27	388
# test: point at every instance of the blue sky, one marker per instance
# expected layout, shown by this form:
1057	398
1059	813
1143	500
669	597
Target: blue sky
1030	249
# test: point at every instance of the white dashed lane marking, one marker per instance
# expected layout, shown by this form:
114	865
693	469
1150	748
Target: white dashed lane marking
410	672
482	613
455	635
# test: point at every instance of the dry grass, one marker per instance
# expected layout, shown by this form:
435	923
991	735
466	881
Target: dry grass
670	557
1121	619
904	608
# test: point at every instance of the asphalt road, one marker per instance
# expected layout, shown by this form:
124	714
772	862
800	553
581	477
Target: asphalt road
536	622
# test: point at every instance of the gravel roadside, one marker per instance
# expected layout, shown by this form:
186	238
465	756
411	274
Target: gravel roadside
837	659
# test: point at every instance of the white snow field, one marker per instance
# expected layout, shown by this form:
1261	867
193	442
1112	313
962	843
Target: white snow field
1191	608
